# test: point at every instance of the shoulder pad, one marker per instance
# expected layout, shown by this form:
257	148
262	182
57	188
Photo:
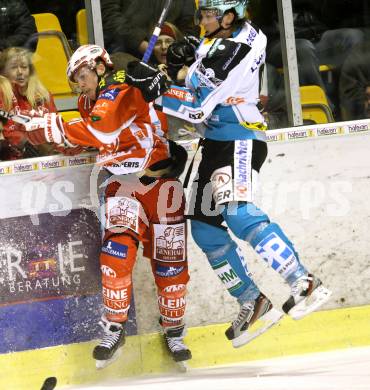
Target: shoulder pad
223	56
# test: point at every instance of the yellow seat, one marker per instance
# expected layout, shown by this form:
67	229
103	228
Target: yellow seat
47	22
322	69
52	55
69	115
315	106
81	27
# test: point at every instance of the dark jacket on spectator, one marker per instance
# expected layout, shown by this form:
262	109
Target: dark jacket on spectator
16	24
346	13
64	10
129	22
306	18
354	80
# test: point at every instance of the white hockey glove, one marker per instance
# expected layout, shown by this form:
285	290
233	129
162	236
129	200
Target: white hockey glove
48	129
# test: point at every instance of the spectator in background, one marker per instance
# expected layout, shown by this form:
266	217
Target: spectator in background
22	92
128	24
346	14
316	43
354	84
65	13
169	34
16	24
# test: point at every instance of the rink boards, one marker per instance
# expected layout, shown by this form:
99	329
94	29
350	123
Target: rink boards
145	354
317	187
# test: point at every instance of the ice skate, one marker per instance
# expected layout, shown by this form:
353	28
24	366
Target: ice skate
308	294
255	317
174	338
108	349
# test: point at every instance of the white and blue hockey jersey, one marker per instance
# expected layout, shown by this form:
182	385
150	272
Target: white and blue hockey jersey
222	88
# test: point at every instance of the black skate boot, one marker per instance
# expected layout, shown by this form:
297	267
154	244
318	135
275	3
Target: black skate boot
108	349
307	295
174	338
255	317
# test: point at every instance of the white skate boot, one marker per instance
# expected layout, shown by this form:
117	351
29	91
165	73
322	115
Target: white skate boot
308	294
108	350
255	317
174	338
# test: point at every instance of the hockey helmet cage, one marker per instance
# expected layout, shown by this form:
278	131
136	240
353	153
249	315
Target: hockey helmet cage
221	6
87	55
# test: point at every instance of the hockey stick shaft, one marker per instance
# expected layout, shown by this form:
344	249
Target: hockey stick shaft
157	31
22	119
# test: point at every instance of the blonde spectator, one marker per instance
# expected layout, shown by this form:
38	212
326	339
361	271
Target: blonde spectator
22	92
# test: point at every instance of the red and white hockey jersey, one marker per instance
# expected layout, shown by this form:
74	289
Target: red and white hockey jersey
124	128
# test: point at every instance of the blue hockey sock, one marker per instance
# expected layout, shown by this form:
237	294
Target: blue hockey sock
275	248
226	259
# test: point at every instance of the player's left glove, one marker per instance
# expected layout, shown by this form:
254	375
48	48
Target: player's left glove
180	54
151	82
48	129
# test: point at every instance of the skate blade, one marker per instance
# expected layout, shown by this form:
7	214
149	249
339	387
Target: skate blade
318	297
100	364
264	323
182	366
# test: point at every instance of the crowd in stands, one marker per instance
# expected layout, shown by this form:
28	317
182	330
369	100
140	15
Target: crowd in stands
334	33
325	32
16	24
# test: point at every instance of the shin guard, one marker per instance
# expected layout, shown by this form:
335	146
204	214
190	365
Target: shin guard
172	304
226	259
117	260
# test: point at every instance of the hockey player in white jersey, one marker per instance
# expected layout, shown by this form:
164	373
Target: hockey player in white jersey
221	94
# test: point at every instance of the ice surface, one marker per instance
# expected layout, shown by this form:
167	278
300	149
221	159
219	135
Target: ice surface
347	369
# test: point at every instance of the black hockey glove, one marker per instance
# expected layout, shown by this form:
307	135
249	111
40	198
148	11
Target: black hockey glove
223	56
180	54
179	157
192	41
151	82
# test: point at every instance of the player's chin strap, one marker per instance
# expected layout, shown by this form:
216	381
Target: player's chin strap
220	28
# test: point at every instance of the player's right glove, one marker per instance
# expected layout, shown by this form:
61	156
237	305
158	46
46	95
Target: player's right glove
151	82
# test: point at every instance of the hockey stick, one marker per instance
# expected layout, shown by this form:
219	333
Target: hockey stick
22	119
157	31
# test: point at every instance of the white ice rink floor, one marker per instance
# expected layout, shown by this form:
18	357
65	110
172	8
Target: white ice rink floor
347	369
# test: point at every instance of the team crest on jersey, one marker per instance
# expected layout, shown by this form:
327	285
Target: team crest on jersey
169	242
123	212
111	94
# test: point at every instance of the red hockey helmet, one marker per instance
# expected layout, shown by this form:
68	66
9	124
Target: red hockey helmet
87	55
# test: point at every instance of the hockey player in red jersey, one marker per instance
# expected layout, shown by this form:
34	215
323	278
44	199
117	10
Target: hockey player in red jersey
144	199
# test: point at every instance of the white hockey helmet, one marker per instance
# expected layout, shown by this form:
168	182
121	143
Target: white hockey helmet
87	55
221	6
